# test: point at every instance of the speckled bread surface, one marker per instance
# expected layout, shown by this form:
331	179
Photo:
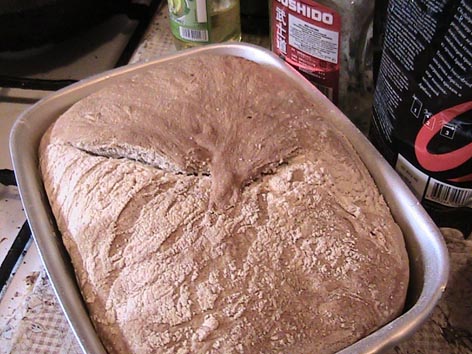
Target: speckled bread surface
209	207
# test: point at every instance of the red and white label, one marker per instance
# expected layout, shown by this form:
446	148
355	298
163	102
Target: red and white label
308	36
445	161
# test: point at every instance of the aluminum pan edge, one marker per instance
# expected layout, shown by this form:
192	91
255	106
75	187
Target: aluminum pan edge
421	235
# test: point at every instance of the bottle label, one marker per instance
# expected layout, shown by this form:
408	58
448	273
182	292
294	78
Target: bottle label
189	20
307	35
422	111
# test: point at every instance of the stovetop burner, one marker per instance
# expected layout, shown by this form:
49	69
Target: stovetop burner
106	45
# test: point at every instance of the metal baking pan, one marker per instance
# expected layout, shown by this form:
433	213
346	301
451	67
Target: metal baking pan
429	264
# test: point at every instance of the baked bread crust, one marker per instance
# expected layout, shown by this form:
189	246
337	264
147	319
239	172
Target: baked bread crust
209	207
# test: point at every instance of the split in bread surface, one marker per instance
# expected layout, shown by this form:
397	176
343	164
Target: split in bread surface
209	207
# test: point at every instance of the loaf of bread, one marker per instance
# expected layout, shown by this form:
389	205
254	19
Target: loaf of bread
209	207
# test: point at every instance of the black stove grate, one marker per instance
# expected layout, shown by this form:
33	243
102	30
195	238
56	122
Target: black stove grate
33	84
7	178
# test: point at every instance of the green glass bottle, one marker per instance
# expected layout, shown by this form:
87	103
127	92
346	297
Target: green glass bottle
198	22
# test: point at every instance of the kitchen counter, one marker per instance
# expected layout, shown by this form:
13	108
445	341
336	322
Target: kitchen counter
31	319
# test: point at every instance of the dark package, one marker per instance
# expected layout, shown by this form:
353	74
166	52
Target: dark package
422	109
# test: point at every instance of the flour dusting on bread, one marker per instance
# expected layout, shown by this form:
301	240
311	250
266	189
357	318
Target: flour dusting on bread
208	207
